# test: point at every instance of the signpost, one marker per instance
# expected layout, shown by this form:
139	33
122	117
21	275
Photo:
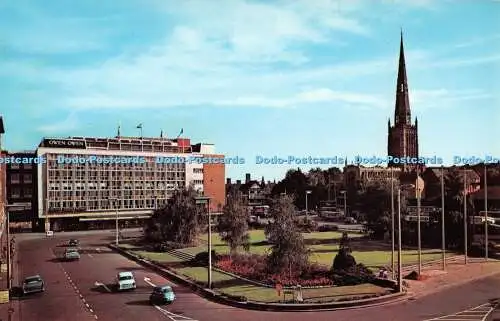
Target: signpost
64	143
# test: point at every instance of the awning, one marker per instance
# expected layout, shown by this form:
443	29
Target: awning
111	218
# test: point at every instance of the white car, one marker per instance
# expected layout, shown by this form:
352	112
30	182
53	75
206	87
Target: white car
125	281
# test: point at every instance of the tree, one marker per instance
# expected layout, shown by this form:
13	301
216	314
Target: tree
179	221
288	248
233	223
375	203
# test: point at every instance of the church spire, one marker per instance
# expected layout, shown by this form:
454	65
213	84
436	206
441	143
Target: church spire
402	113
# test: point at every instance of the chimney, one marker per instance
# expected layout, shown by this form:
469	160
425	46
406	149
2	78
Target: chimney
238	182
247	178
228	181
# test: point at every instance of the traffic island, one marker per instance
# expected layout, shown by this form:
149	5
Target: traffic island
359	296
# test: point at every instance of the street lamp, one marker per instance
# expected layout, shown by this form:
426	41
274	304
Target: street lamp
7	229
344	193
392	223
206	200
485	212
443	236
419	235
307	209
465	216
400	263
117	231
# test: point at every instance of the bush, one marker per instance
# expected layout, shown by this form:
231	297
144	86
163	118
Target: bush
328	228
202	258
307	225
343	260
253	267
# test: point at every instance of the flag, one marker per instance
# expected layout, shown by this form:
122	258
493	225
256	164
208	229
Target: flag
139	126
180	133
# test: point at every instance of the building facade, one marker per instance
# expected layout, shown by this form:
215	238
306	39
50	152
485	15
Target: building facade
357	176
21	188
402	135
88	179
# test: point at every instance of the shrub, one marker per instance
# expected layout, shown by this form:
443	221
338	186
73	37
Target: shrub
202	258
328	228
343	260
307	225
253	267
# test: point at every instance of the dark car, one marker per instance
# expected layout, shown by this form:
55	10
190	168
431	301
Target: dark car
73	242
162	294
33	284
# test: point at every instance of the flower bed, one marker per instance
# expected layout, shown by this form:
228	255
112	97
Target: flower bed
253	267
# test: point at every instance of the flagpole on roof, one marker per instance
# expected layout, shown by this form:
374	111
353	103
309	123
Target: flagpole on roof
140	129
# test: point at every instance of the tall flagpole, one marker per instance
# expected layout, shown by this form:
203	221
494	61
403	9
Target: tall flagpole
485	212
465	216
443	236
392	222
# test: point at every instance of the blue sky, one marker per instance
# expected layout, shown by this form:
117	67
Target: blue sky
255	78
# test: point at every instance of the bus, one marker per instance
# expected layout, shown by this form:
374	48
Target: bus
478	229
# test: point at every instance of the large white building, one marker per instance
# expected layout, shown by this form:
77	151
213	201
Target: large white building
96	179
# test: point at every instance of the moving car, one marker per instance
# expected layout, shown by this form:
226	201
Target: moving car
73	242
71	254
125	281
162	294
33	284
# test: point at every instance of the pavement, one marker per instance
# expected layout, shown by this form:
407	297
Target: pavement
82	290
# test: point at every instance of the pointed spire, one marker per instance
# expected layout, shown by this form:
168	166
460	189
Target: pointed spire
161	134
402	114
118	132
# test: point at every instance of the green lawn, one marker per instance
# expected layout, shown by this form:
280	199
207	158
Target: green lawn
228	285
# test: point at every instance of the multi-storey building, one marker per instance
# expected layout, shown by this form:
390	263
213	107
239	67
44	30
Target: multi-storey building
21	188
96	179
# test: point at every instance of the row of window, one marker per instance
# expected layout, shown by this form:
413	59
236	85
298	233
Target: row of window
19	166
16	192
71	186
105	205
16	178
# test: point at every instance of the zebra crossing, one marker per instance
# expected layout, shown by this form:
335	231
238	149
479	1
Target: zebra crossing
479	313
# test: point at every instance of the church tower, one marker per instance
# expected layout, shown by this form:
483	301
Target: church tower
402	136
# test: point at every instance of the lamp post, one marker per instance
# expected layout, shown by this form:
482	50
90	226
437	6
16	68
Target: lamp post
485	213
7	230
392	223
206	200
307	209
419	235
344	193
400	263
443	236
117	230
465	216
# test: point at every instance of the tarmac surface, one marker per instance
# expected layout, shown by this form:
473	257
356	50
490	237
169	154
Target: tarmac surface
83	290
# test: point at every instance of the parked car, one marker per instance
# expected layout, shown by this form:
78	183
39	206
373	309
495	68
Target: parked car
125	281
162	295
33	284
71	254
73	242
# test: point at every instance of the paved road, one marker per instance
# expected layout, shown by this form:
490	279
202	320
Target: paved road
71	286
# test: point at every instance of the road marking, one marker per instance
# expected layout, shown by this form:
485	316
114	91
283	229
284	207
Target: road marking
173	316
97	284
90	255
479	313
148	281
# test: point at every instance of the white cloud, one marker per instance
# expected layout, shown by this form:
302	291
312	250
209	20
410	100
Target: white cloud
423	99
316	96
68	124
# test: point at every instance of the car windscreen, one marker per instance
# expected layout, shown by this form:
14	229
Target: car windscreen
32	280
125	278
